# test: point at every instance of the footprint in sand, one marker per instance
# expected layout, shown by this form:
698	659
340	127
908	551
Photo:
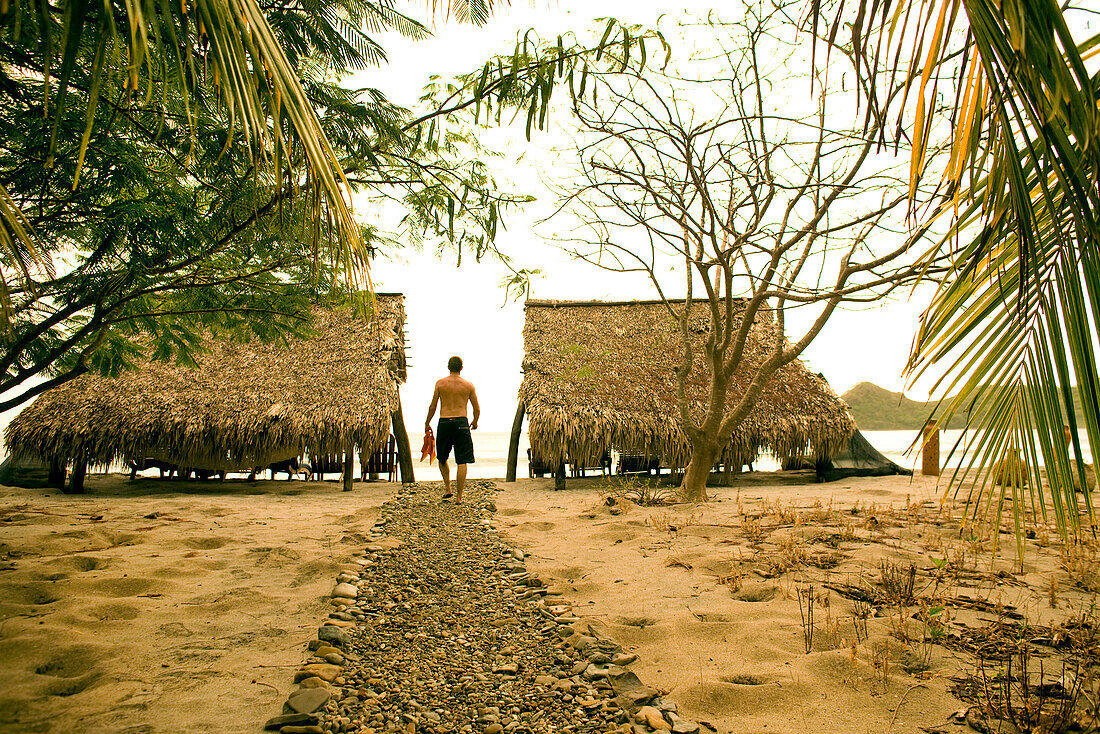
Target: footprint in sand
69	662
36	593
65	687
536	525
639	622
212	543
113	612
745	679
87	563
125	586
174	629
68	671
757	592
314	570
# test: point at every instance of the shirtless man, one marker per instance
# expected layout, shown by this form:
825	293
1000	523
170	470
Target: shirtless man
451	394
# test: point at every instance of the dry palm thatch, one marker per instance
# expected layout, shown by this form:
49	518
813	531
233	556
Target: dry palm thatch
246	404
602	375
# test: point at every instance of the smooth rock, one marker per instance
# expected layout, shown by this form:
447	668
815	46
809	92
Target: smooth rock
348	591
302	730
313	682
290	720
545	680
683	726
342	624
507	669
308	700
624	682
622	658
330	633
324	671
651	717
493	729
333	658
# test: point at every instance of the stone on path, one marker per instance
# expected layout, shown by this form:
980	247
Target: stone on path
349	591
308	700
330	633
324	671
279	722
440	629
652	717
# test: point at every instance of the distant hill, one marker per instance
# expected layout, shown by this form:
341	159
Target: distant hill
877	409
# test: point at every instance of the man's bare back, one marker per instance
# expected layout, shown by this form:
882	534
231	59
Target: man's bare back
454	393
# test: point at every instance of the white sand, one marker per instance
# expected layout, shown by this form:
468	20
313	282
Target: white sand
192	620
160	606
738	660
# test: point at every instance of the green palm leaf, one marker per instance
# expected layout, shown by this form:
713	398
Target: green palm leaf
1013	327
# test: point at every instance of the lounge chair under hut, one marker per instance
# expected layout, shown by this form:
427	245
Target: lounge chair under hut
246	405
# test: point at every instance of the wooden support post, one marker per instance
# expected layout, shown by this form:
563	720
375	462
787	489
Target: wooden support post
76	480
513	442
404	450
559	476
930	456
57	472
349	465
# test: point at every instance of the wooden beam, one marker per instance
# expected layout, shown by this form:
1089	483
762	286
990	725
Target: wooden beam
76	480
559	476
513	442
404	450
57	472
349	465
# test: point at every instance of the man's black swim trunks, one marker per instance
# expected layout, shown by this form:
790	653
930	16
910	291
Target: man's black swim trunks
454	433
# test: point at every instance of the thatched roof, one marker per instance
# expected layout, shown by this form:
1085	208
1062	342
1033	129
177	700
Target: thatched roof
245	405
602	375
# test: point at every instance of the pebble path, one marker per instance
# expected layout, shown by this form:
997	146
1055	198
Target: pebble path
440	628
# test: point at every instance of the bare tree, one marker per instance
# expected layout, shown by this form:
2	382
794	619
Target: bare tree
753	190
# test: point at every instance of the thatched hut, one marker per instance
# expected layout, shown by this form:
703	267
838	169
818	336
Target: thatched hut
602	375
245	405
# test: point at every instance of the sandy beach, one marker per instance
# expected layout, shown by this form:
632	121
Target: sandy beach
164	606
151	605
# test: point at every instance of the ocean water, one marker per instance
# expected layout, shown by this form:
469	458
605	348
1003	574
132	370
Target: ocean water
491	452
490	456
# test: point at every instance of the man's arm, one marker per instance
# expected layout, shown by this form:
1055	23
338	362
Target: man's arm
431	410
476	407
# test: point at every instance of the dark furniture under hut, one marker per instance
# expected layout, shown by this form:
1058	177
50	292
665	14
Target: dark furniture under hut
601	376
246	406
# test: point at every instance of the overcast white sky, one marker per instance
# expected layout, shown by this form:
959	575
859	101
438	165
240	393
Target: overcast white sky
463	311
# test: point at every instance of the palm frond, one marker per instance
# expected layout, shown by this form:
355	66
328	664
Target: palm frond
243	66
1014	327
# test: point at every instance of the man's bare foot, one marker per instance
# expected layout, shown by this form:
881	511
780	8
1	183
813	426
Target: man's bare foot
447	495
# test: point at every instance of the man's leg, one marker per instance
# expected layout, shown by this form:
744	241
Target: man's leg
461	474
446	472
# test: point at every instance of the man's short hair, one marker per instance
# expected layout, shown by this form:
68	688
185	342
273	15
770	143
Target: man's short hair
454	364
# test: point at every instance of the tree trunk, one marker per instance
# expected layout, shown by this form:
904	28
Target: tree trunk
513	443
694	486
404	450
